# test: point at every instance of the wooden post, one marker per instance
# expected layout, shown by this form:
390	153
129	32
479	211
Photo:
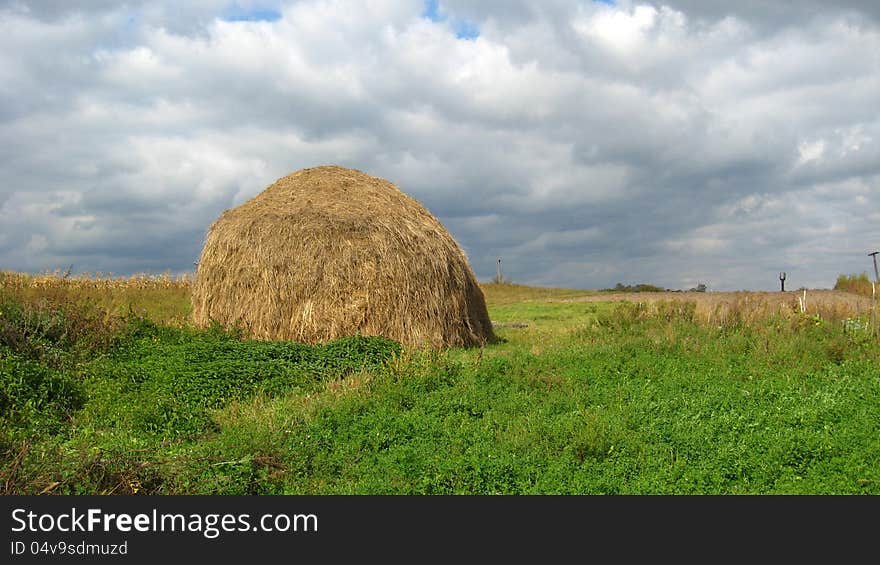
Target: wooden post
873	309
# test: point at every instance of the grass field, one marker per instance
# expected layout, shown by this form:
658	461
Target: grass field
106	389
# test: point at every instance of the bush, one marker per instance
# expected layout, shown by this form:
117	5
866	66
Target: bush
642	287
858	284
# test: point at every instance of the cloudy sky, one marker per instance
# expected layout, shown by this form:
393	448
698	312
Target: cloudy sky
586	143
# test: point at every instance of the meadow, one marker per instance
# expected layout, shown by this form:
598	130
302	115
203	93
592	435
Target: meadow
106	388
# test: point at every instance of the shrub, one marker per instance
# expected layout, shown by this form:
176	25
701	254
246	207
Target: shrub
857	284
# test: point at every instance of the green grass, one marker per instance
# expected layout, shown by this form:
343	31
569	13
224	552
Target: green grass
590	398
499	294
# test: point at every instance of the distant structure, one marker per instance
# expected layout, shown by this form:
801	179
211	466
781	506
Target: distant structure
782	281
499	276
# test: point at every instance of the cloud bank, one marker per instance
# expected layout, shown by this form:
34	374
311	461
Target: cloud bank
586	143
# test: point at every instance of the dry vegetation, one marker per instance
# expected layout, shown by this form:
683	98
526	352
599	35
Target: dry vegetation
858	284
166	297
500	294
98	281
730	307
327	252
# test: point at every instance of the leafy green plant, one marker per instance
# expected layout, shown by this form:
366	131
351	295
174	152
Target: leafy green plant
165	381
35	399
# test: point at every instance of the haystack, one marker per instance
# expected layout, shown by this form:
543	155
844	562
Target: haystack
329	252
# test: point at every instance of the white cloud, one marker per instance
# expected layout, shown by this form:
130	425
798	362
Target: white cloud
810	151
587	144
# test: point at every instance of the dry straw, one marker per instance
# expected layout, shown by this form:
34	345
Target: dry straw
328	252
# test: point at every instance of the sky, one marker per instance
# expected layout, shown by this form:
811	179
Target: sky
585	143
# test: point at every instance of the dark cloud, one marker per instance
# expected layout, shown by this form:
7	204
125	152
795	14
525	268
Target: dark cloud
766	16
775	15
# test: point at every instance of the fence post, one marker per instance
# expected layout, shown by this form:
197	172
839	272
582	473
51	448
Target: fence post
873	309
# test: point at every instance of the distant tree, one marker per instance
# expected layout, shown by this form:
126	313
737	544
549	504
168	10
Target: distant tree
642	287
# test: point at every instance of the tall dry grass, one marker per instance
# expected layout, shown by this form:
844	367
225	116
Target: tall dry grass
508	293
163	297
100	281
166	298
729	308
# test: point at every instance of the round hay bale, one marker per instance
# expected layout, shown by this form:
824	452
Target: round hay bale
328	252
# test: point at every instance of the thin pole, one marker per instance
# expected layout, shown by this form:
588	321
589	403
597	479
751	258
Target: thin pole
499	270
873	309
876	274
